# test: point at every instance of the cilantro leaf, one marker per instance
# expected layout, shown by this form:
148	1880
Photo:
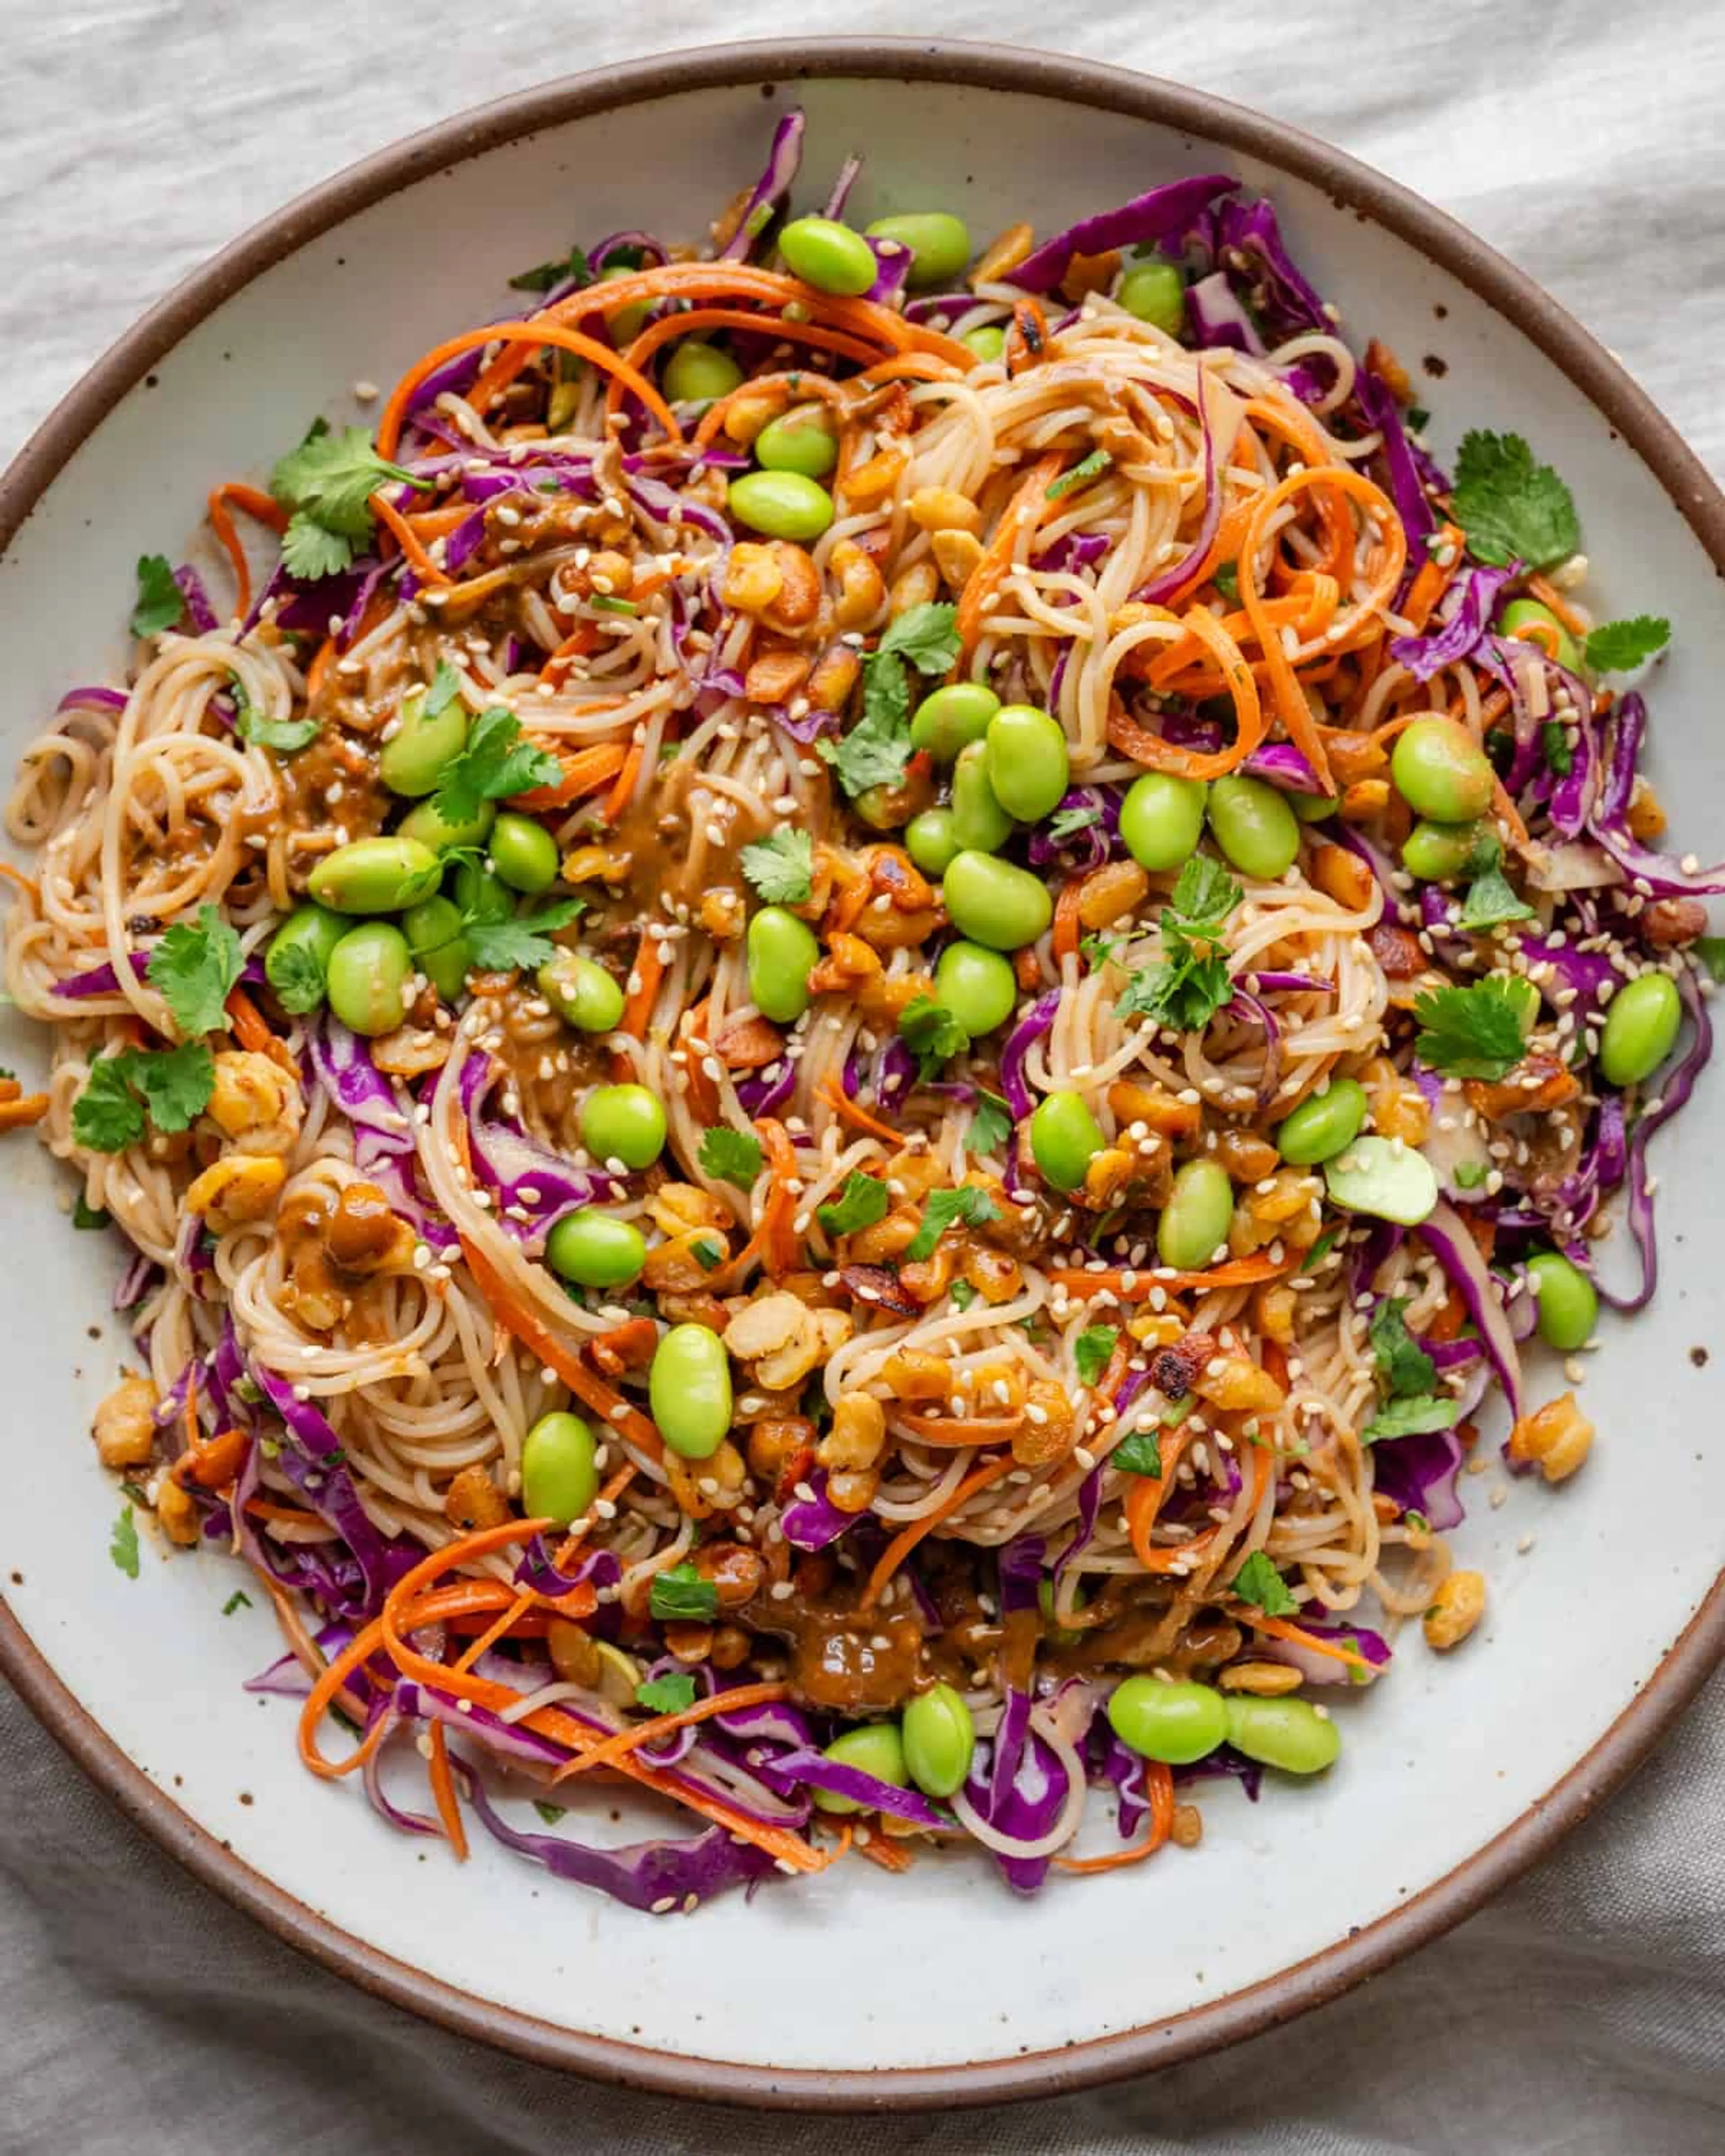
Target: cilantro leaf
1618	647
552	1814
1139	1452
160	602
1554	740
681	1593
1511	508
948	1209
498	760
286	737
1412	1417
501	947
862	1202
1320	1250
1491	900
732	1156
123	1542
671	1694
1081	474
176	1084
1259	1581
309	551
1226	581
192	969
990	1125
445	687
1092	1350
1205	895
707	1253
107	1115
1711	952
293	970
781	867
1469	1174
876	750
1069	822
1097	950
545	276
327	483
239	1600
927	635
86	1216
1402	1364
933	1033
1473	1032
1193	982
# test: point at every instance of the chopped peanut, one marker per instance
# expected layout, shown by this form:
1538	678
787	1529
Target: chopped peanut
1247	1159
797	600
125	1425
760	1328
676	1207
1239	1387
775	676
473	1500
853	1490
1262	1680
1342	875
176	1510
943	508
411	1050
1365	798
1003	256
255	1102
913	587
704	1487
1135	1103
746	414
1274	1303
722	915
858	1435
1188	1829
1399	1109
1647	816
237	1187
913	1374
867	484
956	554
862	592
752	579
996	1276
1050	1428
736	1572
776	1441
1108	894
1558	1436
1457	1607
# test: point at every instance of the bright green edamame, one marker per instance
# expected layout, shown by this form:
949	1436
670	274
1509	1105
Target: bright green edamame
583	995
1196	1219
1065	1139
1520	991
939	1741
309	932
1161	818
1384	1177
375	875
1569	1303
482	895
987	342
1176	1723
1440	772
979	823
782	954
1155	293
799	440
523	853
697	373
1523	613
1289	1733
412	761
426	826
1640	1029
367	978
596	1250
1323	1125
1029	764
689	1390
560	1476
623	1123
991	902
939	244
1312	808
876	1749
626	325
952	718
432	929
1437	852
978	986
828	256
931	841
1254	826
783	505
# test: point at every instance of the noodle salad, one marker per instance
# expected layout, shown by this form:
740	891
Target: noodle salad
839	1024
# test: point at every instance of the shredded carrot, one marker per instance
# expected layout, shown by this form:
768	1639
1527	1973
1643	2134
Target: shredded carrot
1159	1788
429	523
1022	515
487	1636
248	1025
211	1463
1237	1272
778	1215
700	320
443	1787
585	770
293	1516
619	798
840	1102
719	281
649	971
317	673
19	1115
626	1347
962	1429
662	1725
256	504
1066	922
1431	579
1234	676
902	1543
20	881
1547	594
1278	1628
407	539
890	1856
1143	1502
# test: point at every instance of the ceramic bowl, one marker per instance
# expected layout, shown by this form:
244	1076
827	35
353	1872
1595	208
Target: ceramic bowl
860	1988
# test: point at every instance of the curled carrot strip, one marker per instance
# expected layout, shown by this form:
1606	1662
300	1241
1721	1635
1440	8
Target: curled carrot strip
907	1539
545	332
411	545
585	770
614	1748
1159	1788
256	504
1278	1628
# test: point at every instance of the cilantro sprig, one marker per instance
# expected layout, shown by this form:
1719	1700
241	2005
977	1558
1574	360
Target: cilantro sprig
1139	1452
518	945
1402	1364
730	1155
990	1125
1193	982
1511	508
160	602
1092	1350
123	1542
863	1200
285	736
1259	1583
1491	898
933	1034
1414	1416
781	867
573	269
1619	647
171	1088
326	485
496	762
876	750
679	1594
966	1206
674	1693
1473	1032
193	968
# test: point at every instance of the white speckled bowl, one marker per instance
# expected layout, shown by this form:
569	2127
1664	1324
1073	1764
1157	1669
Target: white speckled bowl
862	1989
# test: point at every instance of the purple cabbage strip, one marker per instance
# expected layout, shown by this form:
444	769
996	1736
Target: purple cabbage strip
199	612
1464	615
775	182
811	1523
341	1061
1216	317
847	173
1036	1021
1168	580
1419	1474
1381	410
92	699
1032	1803
892	261
1447	1237
1248	244
1163	216
807	1768
1654	874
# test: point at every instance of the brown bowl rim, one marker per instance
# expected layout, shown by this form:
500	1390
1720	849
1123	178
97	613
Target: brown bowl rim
1365	1950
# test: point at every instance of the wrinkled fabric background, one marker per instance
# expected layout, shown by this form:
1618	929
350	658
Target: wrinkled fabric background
1585	2011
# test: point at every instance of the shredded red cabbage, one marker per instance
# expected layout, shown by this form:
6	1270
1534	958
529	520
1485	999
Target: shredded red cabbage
1165	215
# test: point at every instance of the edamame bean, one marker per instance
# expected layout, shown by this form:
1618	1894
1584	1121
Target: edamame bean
876	1749
1065	1139
1312	808
1323	1125
623	1123
1155	293
1196	1217
689	1390
368	978
986	342
426	826
626	325
979	823
412	759
1029	764
1176	1723
930	840
978	986
299	950
991	902
1521	991
939	244
482	895
1385	1177
584	993
1254	826
952	717
782	954
1569	1302
596	1250
523	853
1289	1733
799	440
697	373
1440	772
1437	852
828	256
560	1476
1161	818
939	1741
1640	1029
1524	614
432	929
783	505
375	875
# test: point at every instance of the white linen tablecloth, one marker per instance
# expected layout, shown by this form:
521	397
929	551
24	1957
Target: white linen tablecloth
1585	2012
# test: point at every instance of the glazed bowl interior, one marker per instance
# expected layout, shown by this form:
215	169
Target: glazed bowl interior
862	1987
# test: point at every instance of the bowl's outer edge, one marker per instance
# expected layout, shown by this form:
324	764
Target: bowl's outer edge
1690	1657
